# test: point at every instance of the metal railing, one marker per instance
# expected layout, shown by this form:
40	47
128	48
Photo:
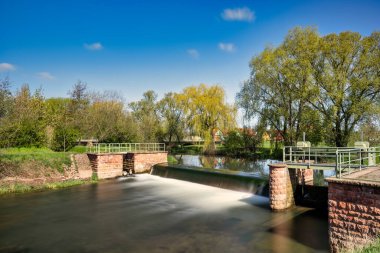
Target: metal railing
344	160
125	147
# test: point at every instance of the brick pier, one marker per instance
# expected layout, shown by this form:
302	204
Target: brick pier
111	165
354	212
281	187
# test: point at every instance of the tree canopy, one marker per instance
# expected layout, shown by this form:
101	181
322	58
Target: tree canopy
322	85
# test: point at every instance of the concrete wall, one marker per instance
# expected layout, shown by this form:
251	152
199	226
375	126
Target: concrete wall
106	165
354	213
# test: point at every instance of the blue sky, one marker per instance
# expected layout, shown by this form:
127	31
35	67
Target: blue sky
133	46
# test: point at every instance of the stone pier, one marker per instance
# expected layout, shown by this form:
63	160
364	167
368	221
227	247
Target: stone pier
111	165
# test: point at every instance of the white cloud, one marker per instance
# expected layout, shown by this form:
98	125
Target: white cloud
227	47
239	14
45	76
6	67
193	53
94	46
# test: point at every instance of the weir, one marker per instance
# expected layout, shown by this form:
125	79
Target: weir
238	181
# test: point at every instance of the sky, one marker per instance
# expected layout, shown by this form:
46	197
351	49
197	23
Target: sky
134	46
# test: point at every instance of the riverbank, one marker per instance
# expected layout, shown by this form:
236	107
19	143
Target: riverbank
36	169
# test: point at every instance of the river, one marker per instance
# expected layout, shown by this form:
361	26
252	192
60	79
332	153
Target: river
148	213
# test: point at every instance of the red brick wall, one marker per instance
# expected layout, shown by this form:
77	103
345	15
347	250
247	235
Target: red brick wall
143	162
354	214
106	165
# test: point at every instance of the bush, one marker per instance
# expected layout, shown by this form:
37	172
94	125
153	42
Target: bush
64	138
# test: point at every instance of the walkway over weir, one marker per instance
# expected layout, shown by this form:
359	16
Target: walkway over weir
99	148
344	160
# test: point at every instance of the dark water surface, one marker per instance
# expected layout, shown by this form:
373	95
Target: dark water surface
152	214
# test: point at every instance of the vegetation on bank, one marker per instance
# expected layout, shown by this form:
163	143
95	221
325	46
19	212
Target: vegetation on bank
373	247
17	187
17	158
35	169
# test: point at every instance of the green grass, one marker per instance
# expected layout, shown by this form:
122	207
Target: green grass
44	156
78	149
373	247
172	159
23	188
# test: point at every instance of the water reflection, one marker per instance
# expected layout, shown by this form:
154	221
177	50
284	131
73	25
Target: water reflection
257	167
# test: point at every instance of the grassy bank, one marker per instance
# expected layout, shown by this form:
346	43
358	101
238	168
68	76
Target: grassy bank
36	169
19	157
24	187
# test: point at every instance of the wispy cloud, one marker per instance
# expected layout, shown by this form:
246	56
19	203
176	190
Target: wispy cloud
239	14
227	47
94	46
45	76
193	53
6	67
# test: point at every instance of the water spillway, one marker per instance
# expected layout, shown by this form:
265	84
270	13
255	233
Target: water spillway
227	179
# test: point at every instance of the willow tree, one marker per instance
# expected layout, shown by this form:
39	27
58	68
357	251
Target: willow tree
208	111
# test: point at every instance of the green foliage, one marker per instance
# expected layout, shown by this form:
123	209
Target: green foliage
172	159
64	138
373	247
24	125
234	143
78	149
324	86
43	156
207	111
22	188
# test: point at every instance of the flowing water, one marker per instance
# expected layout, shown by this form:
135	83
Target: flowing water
148	213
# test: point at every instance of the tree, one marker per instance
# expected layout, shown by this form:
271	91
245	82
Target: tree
311	81
207	111
278	87
146	114
172	110
5	97
62	134
80	101
25	124
346	81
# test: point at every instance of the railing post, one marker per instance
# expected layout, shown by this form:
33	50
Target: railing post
336	163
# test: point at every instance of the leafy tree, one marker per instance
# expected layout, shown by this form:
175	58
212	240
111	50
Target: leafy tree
6	98
65	138
311	81
25	125
172	111
145	112
346	81
207	110
278	87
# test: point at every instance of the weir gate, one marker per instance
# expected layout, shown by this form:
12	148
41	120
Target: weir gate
353	193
